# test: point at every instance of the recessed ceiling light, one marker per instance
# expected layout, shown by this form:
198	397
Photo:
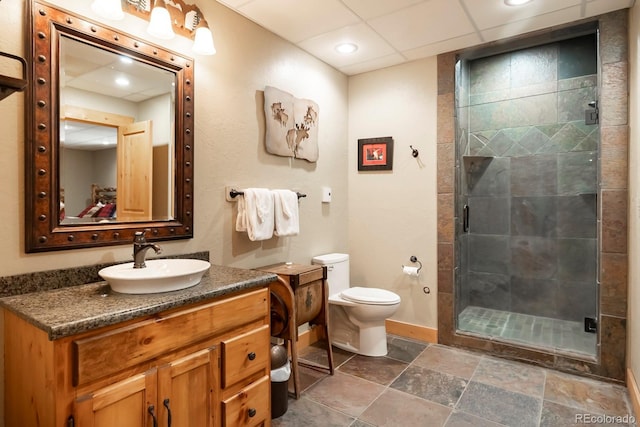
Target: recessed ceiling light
516	2
122	81
346	48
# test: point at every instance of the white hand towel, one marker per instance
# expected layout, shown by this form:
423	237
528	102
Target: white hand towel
241	219
259	213
287	217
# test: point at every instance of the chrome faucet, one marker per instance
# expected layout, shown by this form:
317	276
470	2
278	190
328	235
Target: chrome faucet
140	247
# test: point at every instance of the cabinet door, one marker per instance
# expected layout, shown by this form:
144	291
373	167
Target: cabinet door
187	389
128	403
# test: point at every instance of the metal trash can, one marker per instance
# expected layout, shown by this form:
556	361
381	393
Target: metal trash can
280	373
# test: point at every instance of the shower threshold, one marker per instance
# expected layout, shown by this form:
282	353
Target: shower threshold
542	333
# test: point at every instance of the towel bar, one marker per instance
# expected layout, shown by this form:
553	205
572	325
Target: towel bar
234	193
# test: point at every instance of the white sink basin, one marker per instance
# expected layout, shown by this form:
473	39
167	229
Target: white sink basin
160	275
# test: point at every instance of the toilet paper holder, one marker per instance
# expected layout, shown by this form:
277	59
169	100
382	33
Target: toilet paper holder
414	259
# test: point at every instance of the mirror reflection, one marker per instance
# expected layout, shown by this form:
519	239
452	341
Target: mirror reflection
116	137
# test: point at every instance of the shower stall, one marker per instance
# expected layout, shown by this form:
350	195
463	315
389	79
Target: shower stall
527	157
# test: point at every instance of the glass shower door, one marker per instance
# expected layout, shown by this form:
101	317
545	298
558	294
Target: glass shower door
527	196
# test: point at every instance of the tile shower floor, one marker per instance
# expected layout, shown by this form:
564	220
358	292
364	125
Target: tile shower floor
561	336
431	385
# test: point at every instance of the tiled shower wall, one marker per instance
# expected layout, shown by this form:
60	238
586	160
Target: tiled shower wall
529	177
613	191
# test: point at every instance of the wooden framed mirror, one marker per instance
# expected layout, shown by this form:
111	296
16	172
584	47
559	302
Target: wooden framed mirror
146	180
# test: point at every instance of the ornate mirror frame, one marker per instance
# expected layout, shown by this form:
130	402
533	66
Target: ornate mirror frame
43	230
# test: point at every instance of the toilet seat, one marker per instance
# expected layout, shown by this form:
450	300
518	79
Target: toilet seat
373	296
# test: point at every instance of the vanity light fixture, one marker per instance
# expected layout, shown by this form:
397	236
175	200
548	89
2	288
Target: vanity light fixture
516	2
346	48
160	22
170	17
165	20
108	9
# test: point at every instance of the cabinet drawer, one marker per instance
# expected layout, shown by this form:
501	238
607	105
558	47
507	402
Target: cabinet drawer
141	341
297	275
309	276
244	355
249	407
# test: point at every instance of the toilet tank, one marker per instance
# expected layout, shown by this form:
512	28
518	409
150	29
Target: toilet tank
337	271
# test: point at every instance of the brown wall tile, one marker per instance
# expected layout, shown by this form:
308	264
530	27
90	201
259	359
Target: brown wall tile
446	129
445	256
613	286
445	281
613	332
614	221
446	220
614	105
446	168
446	73
613	34
614	156
446	320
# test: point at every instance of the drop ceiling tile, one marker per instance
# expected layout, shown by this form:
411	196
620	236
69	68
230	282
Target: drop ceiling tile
425	23
234	3
376	64
599	7
370	45
493	13
442	47
536	23
297	20
368	9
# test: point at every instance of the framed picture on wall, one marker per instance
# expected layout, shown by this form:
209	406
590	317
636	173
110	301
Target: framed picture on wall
375	154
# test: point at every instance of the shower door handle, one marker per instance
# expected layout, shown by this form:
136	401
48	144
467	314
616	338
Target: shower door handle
465	218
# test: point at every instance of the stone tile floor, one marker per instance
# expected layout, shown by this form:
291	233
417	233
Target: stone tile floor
431	385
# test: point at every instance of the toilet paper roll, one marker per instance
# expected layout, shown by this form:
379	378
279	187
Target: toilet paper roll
411	271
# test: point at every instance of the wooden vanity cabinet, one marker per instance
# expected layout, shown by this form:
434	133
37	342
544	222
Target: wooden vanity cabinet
202	365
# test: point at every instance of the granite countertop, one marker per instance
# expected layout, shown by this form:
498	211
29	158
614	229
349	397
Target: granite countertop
75	309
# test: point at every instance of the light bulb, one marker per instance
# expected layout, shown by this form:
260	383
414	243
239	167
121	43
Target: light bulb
203	43
160	22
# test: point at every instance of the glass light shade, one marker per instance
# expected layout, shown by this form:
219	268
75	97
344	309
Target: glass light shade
203	43
108	9
160	23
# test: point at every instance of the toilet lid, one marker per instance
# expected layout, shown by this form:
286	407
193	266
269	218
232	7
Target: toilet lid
370	296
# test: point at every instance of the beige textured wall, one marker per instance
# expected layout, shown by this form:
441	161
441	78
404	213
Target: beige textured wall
392	214
229	146
633	309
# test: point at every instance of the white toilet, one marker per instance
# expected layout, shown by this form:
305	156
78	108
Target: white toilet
356	315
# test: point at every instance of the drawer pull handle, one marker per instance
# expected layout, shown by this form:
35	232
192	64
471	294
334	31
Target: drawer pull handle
252	412
166	405
152	412
252	356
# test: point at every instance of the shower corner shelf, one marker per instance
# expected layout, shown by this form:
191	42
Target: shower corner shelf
8	85
475	163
